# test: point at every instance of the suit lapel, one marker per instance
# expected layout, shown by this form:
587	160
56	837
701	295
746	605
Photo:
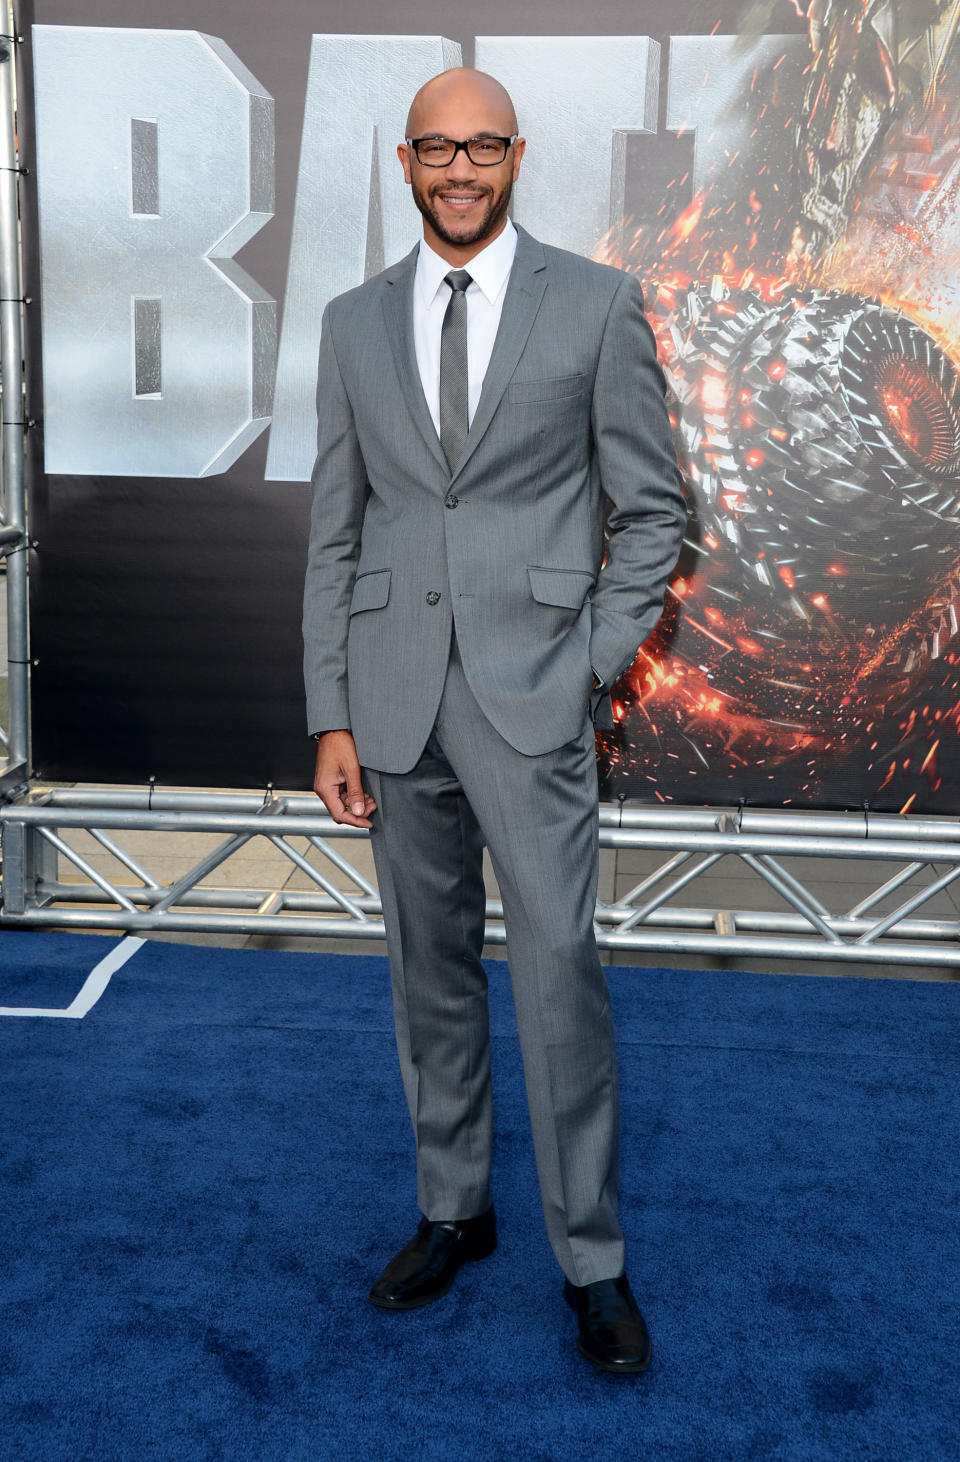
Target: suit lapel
528	280
525	288
398	315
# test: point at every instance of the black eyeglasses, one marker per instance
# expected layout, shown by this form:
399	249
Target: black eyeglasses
439	152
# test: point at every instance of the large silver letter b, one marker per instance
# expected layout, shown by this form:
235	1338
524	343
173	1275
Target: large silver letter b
154	165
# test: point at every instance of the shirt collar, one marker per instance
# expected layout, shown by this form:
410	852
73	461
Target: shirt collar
489	269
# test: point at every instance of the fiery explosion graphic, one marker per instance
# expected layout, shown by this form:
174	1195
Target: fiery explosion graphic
810	651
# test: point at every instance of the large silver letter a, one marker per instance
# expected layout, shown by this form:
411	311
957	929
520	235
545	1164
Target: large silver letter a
353	213
154	165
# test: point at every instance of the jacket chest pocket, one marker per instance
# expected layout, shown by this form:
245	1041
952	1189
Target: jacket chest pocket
535	393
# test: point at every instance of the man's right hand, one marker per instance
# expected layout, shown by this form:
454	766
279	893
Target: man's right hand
337	780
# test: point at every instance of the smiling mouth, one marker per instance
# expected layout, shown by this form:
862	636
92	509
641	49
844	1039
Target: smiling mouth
460	202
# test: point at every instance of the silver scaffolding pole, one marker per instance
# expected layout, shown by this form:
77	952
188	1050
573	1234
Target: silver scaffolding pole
13	528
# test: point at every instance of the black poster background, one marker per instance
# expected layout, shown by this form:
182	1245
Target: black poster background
165	613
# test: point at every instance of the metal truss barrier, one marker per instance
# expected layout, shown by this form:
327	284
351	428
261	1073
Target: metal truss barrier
914	860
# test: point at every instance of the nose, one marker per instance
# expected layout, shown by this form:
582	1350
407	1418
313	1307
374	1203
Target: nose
462	170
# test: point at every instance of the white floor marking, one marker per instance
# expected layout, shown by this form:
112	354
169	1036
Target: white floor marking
92	987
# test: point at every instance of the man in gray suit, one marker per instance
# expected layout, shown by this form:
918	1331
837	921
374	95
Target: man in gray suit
478	403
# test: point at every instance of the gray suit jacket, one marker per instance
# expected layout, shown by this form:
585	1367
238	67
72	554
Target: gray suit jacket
509	546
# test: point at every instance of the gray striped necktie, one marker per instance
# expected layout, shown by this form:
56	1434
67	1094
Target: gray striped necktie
454	422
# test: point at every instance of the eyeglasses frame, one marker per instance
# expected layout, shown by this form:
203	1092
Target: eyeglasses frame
414	143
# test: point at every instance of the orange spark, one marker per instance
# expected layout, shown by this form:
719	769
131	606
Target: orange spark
929	756
687	221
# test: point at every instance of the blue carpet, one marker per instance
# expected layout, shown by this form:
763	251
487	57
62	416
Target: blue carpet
202	1177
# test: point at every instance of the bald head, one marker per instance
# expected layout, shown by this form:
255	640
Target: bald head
462	92
464	197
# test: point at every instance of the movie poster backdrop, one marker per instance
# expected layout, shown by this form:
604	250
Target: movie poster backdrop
784	180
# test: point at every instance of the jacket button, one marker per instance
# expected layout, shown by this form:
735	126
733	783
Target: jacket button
451	500
433	597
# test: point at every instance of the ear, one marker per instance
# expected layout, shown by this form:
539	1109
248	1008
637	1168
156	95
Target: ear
403	153
519	148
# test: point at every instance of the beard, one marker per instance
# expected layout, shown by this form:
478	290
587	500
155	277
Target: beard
480	229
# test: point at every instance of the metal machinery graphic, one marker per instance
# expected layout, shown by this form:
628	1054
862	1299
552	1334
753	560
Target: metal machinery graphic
854	412
854	408
803	293
820	435
66	856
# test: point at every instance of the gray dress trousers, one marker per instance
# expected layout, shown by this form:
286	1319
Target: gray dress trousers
538	817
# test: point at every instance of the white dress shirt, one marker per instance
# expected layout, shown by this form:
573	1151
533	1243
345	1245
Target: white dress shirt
490	270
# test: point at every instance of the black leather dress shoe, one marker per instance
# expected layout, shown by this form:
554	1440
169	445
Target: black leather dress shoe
613	1333
426	1267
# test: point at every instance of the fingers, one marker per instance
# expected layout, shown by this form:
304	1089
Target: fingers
338	781
332	791
354	797
333	794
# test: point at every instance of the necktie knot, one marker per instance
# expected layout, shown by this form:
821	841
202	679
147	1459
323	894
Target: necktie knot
458	280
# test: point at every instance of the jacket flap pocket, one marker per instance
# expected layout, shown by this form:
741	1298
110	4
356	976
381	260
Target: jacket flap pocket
554	389
566	588
371	591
